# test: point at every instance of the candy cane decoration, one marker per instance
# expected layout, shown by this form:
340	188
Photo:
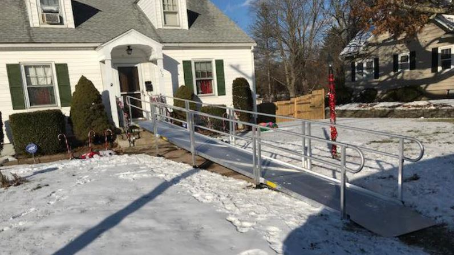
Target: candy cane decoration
90	146
67	145
332	108
108	131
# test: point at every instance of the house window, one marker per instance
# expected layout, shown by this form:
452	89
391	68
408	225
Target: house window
170	10
404	62
360	69
204	77
446	59
39	82
369	69
50	12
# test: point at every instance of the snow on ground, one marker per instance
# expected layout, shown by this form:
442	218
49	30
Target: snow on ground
145	205
428	185
430	104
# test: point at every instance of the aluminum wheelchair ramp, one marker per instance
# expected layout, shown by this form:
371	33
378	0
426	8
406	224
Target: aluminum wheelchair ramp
377	214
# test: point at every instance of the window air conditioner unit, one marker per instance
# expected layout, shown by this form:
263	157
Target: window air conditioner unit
51	18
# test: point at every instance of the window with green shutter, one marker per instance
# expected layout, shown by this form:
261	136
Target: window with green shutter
16	86
64	85
220	77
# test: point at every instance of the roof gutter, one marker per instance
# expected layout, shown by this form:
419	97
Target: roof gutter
48	46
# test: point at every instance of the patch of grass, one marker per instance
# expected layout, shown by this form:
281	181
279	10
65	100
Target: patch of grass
383	141
6	182
440	120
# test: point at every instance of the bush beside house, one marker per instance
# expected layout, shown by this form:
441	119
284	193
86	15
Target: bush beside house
87	111
214	123
242	98
41	128
187	93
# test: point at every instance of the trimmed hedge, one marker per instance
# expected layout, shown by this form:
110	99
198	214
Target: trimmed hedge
268	108
368	95
187	93
242	98
87	111
216	124
41	128
404	94
1	133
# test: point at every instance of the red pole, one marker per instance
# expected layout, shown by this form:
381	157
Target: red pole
332	110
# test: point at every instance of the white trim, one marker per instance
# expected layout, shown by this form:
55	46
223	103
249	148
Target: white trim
214	84
206	45
54	83
178	14
440	68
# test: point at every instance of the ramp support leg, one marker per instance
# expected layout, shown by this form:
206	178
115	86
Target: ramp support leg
191	137
259	155
343	184
401	169
186	105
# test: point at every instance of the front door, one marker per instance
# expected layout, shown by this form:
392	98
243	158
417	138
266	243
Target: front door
130	86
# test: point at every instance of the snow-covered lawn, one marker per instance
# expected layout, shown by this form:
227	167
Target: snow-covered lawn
145	205
428	184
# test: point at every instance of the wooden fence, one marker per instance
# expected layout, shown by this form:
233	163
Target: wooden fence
311	106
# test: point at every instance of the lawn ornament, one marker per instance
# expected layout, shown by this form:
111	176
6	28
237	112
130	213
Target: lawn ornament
332	107
68	148
268	126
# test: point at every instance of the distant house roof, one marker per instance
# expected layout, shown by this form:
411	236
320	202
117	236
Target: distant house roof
360	40
357	43
99	21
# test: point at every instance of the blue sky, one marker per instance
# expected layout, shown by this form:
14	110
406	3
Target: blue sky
237	10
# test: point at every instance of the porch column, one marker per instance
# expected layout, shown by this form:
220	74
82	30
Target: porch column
108	86
161	81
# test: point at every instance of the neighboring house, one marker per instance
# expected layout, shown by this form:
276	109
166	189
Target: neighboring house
120	45
383	62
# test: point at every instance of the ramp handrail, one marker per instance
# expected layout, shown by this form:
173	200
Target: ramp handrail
307	128
257	141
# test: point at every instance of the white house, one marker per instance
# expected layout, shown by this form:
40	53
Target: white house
120	45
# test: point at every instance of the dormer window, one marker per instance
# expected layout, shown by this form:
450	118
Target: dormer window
51	12
170	13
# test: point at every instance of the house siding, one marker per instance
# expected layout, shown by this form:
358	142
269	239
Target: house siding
238	62
384	48
80	62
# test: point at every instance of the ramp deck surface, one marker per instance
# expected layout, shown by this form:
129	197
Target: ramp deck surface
381	216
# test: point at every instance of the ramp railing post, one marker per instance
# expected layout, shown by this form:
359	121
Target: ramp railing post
343	183
303	131
400	177
259	155
186	106
234	126
254	155
309	146
231	126
155	130
128	101
191	137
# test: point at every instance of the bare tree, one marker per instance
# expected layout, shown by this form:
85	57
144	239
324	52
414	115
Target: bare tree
298	29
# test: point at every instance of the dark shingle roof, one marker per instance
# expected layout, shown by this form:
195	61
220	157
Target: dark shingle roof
99	21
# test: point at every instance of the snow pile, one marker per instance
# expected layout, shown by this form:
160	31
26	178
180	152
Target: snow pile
121	203
431	104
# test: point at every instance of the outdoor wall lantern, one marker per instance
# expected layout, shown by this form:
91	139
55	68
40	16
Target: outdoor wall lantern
129	50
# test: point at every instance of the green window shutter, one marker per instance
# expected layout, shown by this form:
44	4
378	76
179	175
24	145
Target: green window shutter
64	85
220	77
188	77
16	86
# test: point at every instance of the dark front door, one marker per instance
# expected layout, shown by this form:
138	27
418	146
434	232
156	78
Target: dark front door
130	86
